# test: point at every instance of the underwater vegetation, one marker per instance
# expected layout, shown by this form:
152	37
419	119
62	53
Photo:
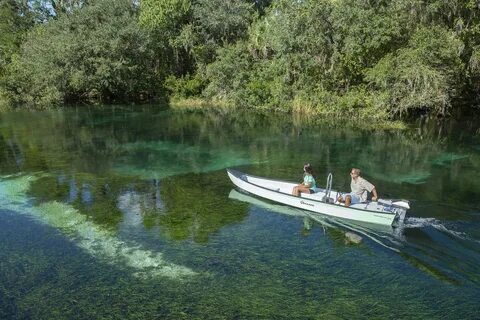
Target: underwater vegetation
160	159
97	241
125	213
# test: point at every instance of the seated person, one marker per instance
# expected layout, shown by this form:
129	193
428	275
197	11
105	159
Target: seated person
360	188
308	185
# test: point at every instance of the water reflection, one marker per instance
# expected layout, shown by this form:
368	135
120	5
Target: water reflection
93	196
184	207
195	207
412	241
325	222
144	188
88	235
156	143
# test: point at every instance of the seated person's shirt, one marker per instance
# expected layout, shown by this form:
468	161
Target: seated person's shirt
308	179
360	188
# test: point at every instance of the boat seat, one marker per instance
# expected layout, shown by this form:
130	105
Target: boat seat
315	196
369	205
318	196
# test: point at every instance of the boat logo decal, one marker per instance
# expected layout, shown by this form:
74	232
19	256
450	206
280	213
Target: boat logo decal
308	204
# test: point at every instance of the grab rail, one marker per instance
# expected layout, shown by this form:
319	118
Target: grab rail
328	188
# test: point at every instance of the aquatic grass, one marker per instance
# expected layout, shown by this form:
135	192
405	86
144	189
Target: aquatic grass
414	177
446	158
301	112
260	271
105	245
327	280
92	238
92	195
378	235
186	104
165	159
251	262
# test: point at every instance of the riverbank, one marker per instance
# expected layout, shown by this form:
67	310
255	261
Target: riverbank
301	114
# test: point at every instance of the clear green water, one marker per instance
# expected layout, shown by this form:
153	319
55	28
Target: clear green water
127	212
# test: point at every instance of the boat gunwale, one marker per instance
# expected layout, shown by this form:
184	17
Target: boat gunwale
232	171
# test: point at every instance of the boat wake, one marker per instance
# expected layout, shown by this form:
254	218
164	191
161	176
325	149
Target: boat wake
432	246
414	222
428	244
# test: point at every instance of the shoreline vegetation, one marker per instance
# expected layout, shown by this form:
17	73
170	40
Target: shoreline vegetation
371	62
299	115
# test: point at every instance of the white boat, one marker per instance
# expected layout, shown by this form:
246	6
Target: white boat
384	211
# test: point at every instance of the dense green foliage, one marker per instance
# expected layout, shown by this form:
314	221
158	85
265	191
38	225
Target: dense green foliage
98	53
12	27
362	58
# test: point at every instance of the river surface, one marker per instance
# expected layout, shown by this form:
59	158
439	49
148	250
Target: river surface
127	213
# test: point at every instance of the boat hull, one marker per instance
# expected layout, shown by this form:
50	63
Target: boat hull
244	182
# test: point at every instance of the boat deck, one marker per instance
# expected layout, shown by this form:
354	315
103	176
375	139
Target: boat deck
287	187
385	212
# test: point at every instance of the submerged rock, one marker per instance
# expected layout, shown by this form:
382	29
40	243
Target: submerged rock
351	237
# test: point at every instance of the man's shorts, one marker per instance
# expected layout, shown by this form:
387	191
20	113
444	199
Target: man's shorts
355	198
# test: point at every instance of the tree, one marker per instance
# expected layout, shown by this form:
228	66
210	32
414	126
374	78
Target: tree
96	53
15	20
424	74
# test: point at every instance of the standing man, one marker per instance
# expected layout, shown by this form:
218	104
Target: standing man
360	188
